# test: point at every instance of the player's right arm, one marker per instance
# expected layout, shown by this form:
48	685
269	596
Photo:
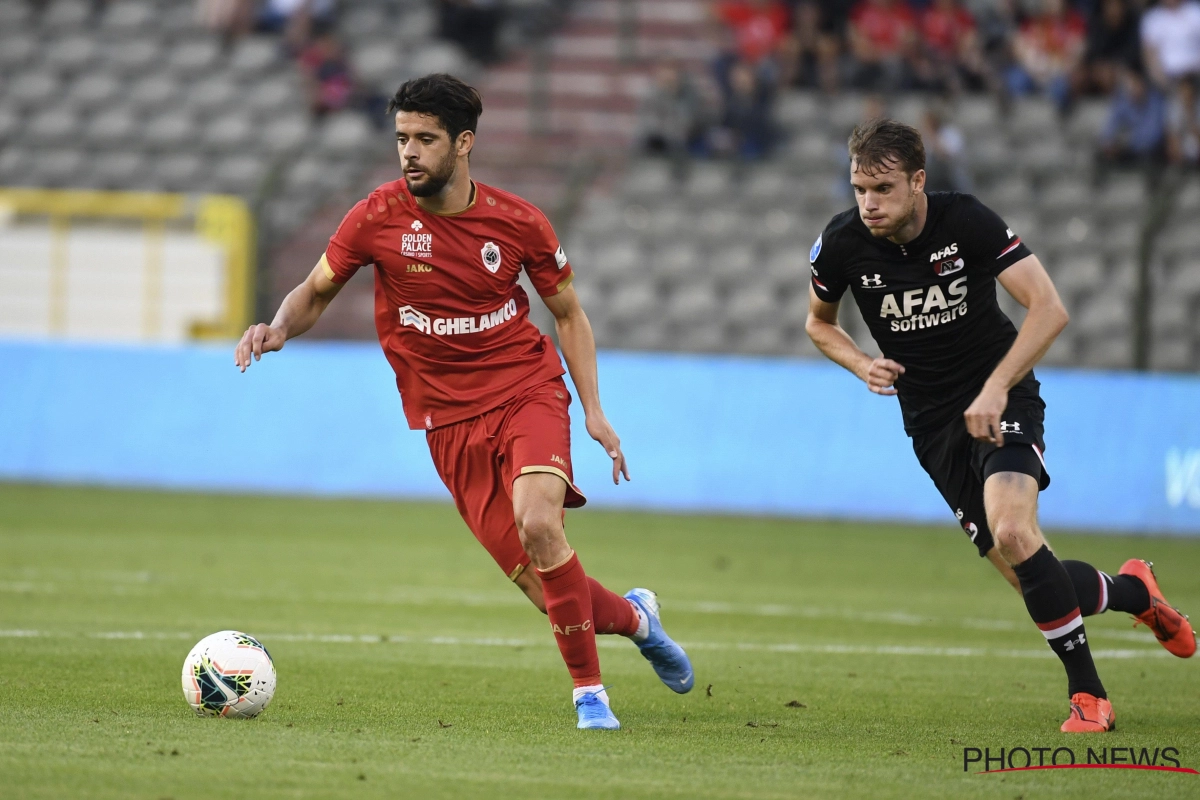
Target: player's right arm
824	295
822	327
299	311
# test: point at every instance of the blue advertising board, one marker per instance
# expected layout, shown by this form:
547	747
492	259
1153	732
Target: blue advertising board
702	433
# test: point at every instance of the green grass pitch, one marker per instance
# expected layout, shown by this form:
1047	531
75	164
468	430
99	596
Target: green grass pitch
409	667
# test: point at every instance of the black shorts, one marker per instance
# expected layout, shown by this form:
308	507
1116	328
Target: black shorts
960	463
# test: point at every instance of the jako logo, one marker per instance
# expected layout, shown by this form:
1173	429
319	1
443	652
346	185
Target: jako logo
1183	478
567	630
929	303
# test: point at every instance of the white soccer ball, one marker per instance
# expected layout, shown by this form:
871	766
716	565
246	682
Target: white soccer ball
228	674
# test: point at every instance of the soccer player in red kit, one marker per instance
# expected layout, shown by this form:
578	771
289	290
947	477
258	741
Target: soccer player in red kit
478	377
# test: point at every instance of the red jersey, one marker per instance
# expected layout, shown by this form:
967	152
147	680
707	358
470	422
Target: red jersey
944	29
887	27
758	29
451	318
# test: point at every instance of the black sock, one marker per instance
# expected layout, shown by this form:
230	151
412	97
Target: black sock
1098	591
1050	598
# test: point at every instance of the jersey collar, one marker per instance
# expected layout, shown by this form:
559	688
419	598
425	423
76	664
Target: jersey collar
470	205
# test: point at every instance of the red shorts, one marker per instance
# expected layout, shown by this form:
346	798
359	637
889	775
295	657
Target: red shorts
479	458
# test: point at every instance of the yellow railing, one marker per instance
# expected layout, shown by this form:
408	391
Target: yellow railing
221	219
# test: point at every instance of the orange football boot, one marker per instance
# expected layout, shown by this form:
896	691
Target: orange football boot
1170	626
1089	714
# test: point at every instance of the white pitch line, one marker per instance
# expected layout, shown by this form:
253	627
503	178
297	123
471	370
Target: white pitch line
614	641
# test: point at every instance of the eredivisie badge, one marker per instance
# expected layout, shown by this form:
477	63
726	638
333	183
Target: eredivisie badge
491	256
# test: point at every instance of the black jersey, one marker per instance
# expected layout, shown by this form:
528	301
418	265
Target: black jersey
930	304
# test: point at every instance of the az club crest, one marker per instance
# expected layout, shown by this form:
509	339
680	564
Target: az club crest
949	267
491	256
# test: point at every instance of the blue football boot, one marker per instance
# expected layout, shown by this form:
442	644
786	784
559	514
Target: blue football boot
670	662
594	714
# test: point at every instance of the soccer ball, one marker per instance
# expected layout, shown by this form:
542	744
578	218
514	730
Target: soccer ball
228	674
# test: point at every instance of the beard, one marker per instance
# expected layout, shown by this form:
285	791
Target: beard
891	230
435	179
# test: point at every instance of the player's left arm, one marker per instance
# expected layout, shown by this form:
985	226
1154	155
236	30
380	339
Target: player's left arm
1030	286
579	348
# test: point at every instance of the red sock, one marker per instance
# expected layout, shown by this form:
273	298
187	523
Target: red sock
569	606
612	613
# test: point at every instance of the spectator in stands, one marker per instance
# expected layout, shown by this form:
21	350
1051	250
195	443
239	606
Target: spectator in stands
746	130
758	27
673	119
327	72
883	39
1171	40
296	19
945	154
1049	49
1183	124
1113	42
474	24
232	19
995	29
1136	128
949	58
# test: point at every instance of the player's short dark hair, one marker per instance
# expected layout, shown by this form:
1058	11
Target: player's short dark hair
883	143
456	105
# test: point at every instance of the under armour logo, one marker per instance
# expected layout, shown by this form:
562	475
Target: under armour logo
875	281
416	225
1069	644
1010	427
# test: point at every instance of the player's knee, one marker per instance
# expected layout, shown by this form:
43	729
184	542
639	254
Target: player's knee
538	526
1014	537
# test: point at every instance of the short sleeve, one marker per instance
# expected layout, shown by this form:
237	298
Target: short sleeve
544	260
827	279
995	246
350	247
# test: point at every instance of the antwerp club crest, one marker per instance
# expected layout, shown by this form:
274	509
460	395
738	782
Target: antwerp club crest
491	256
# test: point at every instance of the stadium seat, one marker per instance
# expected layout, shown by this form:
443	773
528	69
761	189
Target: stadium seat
127	18
438	57
241	175
285	133
753	305
1078	275
132	57
70	53
692	303
118	170
230	132
10	124
16	50
113	127
65	14
33	88
54	126
620	260
169	130
707	183
280	93
56	168
632	301
178	172
1107	313
1114	351
362	21
735	263
153	93
15	166
1123	195
763	340
379	64
644	334
1033	119
648	180
253	55
678	261
194	57
93	91
797	110
345	133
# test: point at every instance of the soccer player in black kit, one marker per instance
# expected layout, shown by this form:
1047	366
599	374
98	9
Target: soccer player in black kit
923	269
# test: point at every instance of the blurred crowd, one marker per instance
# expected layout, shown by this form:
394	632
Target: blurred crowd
1145	57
